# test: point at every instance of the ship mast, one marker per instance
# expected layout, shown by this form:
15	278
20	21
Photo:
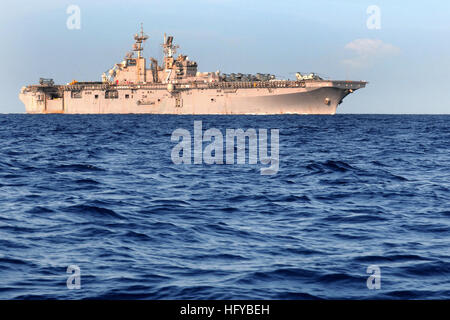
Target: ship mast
169	50
140	39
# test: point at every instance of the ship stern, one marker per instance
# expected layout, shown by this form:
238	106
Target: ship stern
30	100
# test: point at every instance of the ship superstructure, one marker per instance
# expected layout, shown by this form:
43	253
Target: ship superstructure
138	85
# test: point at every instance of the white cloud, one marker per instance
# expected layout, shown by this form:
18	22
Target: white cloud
367	51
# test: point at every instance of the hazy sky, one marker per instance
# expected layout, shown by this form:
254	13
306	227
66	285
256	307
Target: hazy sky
406	61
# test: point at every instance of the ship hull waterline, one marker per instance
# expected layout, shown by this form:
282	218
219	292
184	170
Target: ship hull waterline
263	101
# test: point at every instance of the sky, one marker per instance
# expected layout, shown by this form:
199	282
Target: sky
403	52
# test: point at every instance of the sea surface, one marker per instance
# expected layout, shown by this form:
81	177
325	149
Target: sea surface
101	192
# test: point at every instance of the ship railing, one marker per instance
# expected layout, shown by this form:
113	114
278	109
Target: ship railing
207	85
181	86
108	86
256	84
204	85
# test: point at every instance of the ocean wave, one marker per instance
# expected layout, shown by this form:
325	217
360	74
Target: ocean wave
102	192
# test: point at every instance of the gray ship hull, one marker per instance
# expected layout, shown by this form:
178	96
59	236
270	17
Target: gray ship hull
282	97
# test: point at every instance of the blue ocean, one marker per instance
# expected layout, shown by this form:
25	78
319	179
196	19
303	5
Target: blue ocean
101	192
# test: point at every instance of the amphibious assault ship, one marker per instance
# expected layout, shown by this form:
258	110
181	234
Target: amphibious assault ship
177	87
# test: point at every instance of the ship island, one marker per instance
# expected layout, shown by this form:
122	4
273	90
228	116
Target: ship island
138	86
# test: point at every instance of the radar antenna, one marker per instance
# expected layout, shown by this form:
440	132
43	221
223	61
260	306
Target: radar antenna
169	48
139	40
